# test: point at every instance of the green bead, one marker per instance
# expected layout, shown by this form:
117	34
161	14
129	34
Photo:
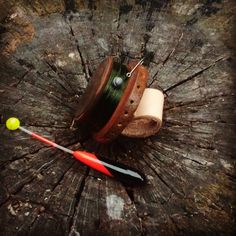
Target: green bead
13	123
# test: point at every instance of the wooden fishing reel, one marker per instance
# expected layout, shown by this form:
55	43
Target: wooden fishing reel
117	101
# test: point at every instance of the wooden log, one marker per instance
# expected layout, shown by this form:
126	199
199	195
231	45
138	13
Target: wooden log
49	49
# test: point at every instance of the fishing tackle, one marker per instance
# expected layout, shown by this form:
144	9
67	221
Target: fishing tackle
117	101
123	173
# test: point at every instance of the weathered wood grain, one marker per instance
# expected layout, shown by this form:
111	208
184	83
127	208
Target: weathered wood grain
49	49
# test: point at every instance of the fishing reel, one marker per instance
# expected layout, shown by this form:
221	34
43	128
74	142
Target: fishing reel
117	101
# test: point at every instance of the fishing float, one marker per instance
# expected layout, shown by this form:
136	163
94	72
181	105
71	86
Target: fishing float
121	172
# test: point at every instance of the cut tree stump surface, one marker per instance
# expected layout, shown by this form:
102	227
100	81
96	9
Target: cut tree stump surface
49	49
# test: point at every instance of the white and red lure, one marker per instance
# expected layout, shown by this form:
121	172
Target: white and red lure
123	173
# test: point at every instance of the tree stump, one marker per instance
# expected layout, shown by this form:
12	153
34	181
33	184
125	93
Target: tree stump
49	49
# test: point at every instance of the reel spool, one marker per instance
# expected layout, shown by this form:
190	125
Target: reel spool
117	101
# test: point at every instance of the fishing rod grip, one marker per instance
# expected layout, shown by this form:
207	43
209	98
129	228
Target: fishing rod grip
123	173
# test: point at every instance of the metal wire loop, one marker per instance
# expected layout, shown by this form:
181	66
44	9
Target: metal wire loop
139	63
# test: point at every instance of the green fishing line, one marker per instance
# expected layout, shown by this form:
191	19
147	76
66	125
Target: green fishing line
111	93
110	97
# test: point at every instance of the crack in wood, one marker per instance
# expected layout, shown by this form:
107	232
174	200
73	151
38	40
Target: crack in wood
55	71
195	161
46	126
173	50
29	179
69	6
62	177
153	79
3	165
142	227
169	55
118	20
6	200
187	68
49	95
31	68
72	223
130	193
22	78
199	103
85	67
180	61
46	207
195	74
174	191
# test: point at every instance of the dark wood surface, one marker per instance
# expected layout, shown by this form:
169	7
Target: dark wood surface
49	49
